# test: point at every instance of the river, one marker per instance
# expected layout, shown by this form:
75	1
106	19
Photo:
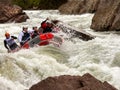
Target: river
99	57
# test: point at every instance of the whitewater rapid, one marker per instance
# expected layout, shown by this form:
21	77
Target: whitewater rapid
99	57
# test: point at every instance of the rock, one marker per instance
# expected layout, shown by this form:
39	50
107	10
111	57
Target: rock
79	6
67	82
73	32
107	12
10	13
107	16
19	18
6	1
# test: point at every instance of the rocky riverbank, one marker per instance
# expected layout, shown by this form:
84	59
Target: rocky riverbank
106	18
107	15
12	13
67	82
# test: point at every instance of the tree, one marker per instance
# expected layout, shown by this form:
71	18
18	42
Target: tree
41	4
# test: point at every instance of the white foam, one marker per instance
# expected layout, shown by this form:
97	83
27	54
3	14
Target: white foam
74	57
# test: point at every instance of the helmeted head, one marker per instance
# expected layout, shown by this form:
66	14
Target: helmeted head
7	35
25	29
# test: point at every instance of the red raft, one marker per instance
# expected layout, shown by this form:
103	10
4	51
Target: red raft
42	40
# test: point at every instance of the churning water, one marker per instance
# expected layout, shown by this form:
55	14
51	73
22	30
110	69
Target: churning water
99	57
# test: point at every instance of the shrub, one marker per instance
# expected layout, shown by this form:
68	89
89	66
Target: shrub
39	4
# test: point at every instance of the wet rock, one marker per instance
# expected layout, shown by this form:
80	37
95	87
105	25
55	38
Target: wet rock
10	13
67	82
73	32
79	6
107	16
19	18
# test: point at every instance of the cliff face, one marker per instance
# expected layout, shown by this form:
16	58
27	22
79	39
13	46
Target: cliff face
79	6
107	16
67	82
6	1
107	12
11	13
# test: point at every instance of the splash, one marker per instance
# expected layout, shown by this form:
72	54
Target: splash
99	57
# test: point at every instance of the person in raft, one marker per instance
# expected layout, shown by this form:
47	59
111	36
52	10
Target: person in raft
24	36
35	32
46	26
10	43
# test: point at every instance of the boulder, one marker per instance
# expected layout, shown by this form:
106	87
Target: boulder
107	12
72	32
67	82
10	13
107	17
79	6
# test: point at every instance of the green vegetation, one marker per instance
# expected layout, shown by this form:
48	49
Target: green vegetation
39	4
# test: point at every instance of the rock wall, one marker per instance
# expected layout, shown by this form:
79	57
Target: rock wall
107	16
79	6
6	1
12	13
67	82
107	12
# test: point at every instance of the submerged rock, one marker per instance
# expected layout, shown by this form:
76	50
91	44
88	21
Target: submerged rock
11	13
72	31
67	82
79	6
107	16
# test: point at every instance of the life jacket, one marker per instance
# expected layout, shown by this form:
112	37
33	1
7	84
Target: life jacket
44	25
26	36
10	41
47	29
34	34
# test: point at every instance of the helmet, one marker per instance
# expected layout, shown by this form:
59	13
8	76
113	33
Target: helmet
7	34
